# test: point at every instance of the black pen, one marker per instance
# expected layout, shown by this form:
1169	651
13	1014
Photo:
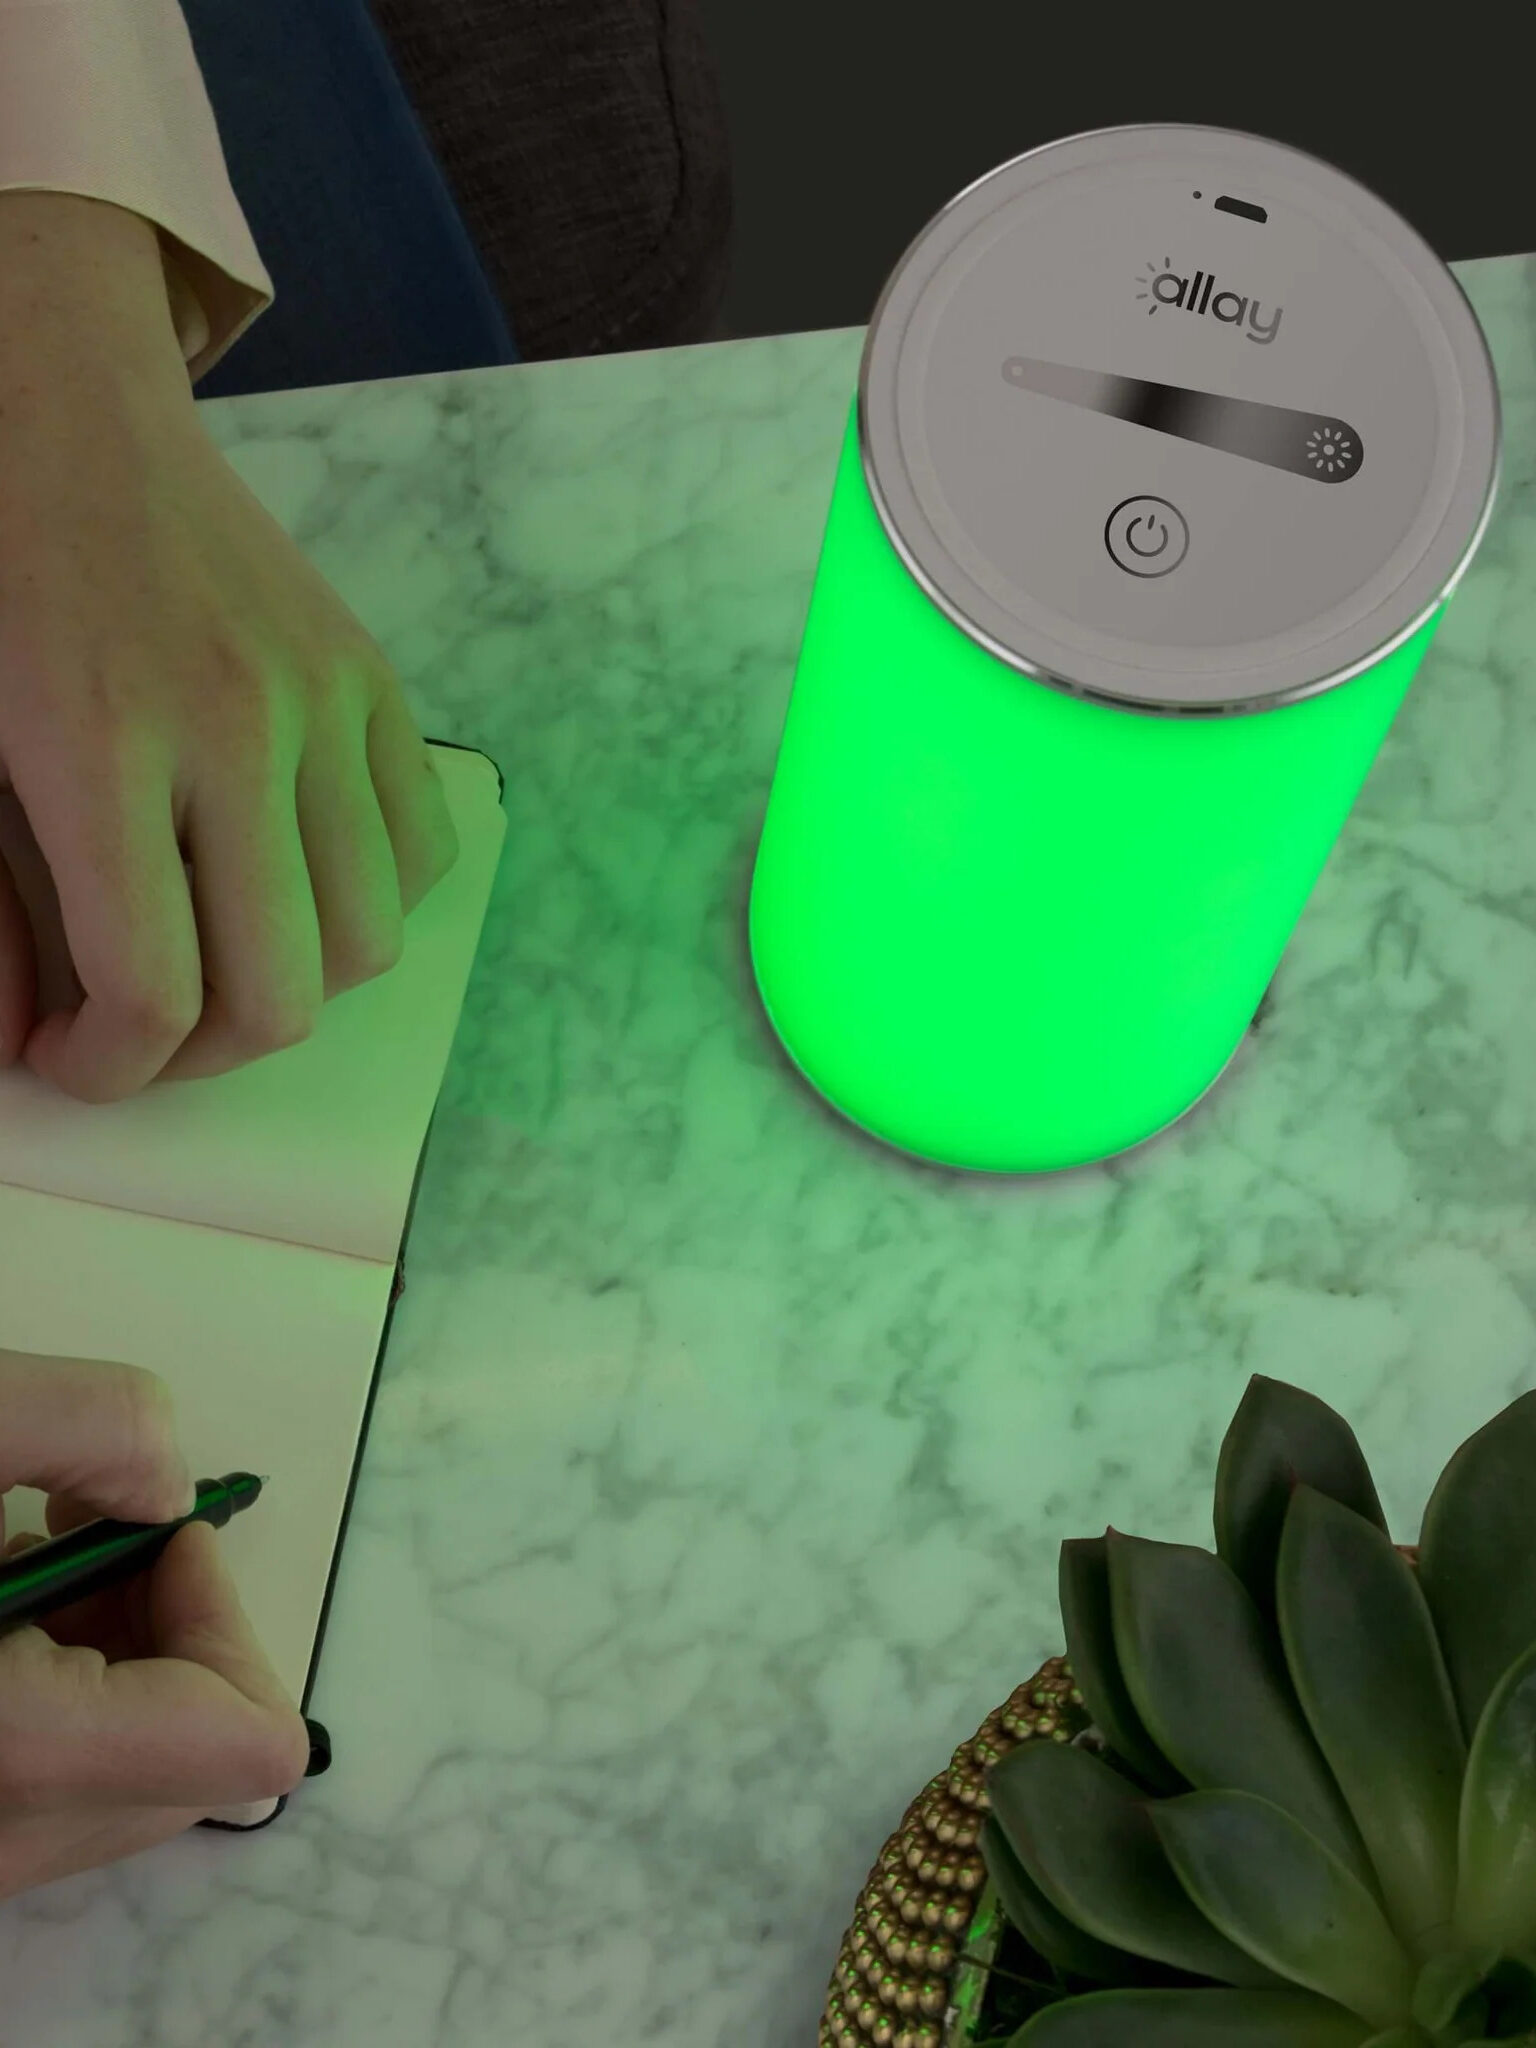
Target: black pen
67	1568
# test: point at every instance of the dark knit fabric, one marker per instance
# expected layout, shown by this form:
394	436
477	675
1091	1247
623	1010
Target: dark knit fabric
586	146
376	273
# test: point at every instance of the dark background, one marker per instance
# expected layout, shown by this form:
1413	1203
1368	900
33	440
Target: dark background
853	121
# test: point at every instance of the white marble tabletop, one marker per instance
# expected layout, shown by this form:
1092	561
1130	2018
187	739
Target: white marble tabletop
721	1458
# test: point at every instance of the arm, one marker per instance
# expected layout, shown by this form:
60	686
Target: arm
216	762
83	282
104	99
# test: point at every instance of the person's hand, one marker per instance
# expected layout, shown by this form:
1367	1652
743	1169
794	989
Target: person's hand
215	759
132	1715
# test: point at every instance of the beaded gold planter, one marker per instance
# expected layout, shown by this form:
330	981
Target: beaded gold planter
916	1968
929	1961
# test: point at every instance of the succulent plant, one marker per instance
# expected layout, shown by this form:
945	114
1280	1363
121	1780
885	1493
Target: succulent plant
1304	1815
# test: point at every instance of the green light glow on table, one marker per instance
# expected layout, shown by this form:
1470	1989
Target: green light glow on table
1010	930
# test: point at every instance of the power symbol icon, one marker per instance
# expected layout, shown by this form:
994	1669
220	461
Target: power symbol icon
1146	536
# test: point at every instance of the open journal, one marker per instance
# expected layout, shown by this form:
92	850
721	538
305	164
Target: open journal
241	1237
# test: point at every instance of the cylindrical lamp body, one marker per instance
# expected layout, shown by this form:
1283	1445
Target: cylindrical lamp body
1009	929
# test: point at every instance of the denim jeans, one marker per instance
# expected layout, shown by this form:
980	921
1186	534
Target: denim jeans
374	269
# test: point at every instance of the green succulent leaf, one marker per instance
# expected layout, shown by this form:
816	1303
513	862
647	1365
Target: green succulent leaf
1082	1833
1192	2019
1281	1434
1496	1892
1051	1934
1409	2036
1207	1678
1363	1657
1272	1888
1447	1981
1083	1588
1477	1555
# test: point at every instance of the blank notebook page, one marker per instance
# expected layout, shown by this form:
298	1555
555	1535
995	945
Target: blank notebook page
161	1232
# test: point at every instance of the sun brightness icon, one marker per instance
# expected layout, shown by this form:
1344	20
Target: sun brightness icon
1151	274
1332	449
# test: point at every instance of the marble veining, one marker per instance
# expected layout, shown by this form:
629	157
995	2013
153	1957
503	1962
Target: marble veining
721	1459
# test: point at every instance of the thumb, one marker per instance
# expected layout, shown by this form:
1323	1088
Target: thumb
204	1723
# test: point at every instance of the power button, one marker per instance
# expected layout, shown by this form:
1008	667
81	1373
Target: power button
1146	536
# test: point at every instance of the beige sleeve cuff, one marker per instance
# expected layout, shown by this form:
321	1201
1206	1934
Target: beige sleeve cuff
104	98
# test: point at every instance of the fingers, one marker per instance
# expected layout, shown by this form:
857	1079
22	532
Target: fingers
410	795
157	1695
152	1694
301	875
302	893
18	970
257	925
112	849
103	1434
352	868
202	1723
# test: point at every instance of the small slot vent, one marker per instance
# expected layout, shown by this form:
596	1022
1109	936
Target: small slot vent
1226	204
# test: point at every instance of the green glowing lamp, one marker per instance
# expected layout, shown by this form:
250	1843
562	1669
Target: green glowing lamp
1169	447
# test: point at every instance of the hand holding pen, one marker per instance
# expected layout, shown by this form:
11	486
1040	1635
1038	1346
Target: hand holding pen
134	1711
